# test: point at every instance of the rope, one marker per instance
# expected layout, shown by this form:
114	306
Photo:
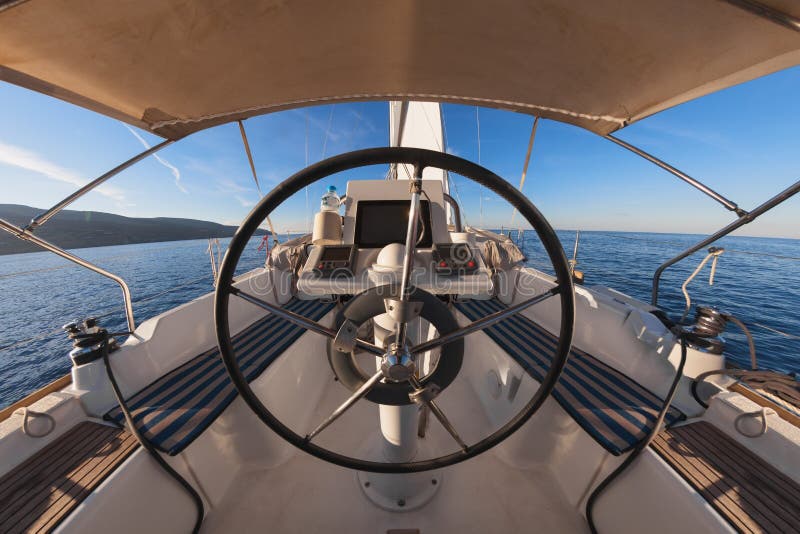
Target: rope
783	386
714	253
145	443
214	261
642	444
26	413
763	413
750	343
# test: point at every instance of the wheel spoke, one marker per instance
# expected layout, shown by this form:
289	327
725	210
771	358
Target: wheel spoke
436	411
304	322
358	394
483	322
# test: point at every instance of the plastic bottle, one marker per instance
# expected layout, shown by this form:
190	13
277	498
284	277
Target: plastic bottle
330	200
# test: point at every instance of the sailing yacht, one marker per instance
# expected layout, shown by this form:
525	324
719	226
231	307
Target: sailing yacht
397	370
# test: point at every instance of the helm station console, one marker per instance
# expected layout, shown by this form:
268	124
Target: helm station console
371	248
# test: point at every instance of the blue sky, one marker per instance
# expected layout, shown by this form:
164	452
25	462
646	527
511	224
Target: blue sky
744	142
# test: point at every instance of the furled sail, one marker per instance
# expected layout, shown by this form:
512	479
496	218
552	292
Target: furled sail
417	125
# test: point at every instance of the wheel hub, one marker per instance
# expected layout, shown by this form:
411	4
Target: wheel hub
398	364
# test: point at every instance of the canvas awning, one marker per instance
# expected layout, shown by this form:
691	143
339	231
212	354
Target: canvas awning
177	66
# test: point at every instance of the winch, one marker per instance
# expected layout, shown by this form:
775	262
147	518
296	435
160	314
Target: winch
87	341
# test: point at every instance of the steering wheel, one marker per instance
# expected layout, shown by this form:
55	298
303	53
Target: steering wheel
397	378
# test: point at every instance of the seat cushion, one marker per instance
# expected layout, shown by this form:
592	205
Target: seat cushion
175	409
40	492
752	495
611	407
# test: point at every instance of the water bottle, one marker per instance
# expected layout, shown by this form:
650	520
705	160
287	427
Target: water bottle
330	200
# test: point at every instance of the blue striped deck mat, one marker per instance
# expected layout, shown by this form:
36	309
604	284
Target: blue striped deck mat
613	408
175	409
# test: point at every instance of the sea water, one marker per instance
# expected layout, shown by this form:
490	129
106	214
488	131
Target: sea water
757	279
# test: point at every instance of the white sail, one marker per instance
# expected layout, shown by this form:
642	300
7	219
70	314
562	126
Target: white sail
417	125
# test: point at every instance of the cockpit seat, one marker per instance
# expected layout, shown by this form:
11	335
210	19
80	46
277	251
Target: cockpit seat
611	407
175	409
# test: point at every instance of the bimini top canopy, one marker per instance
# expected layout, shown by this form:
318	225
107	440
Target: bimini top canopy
175	66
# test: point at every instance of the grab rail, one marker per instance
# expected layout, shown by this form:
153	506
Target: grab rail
25	235
456	211
741	221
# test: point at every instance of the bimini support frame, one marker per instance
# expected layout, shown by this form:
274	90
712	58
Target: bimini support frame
26	235
47	215
741	221
728	204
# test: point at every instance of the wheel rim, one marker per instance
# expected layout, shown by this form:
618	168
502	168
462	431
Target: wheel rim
421	158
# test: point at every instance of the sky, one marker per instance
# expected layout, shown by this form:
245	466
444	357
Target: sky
743	142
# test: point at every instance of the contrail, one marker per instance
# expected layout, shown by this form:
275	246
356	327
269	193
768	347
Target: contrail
172	168
32	161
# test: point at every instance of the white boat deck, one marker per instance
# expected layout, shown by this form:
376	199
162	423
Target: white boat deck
309	495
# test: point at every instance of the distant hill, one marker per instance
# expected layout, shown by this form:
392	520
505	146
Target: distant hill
79	229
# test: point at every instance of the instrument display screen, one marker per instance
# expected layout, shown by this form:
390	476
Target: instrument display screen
336	253
381	222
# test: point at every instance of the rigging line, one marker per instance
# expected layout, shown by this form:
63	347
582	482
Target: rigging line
767	254
96	260
527	162
430	125
308	208
104	313
478	124
255	176
775	330
682	245
453	180
327	133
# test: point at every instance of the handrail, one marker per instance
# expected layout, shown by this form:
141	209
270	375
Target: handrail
47	215
741	221
456	211
697	184
26	235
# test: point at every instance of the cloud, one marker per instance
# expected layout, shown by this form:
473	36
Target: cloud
246	203
226	185
172	168
31	161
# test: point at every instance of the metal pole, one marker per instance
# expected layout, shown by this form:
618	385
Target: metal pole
680	174
527	161
764	11
456	211
411	244
27	236
741	221
255	176
47	215
574	261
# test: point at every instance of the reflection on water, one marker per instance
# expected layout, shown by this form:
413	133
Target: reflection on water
40	291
